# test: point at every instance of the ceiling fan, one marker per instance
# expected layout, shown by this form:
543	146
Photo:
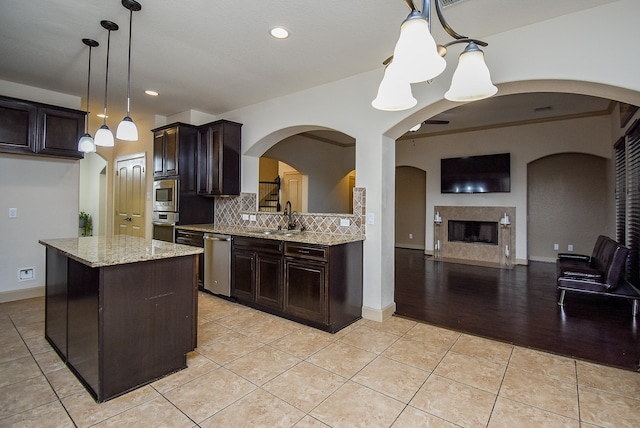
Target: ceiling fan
429	122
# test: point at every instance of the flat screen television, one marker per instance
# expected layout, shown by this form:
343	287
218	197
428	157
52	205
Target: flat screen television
476	174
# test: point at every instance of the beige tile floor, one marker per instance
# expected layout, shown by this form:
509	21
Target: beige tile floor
253	369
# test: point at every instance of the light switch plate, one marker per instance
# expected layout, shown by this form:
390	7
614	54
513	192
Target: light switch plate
344	222
245	216
371	218
252	217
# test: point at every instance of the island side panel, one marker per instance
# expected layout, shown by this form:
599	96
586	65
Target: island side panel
345	292
56	302
148	318
83	324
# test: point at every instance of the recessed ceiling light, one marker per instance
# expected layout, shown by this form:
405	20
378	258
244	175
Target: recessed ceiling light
279	32
150	92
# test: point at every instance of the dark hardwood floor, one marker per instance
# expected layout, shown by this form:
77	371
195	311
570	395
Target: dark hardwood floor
517	306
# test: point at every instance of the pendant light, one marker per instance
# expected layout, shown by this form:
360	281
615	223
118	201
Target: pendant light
418	59
104	136
86	144
127	129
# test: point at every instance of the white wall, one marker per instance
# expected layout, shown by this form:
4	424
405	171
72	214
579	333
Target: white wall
45	192
525	143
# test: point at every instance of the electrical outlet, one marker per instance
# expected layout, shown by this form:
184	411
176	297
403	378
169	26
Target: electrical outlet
13	213
252	217
344	222
26	274
411	236
556	247
371	218
245	216
569	247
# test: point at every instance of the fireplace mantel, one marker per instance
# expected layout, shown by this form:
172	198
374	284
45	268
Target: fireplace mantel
477	253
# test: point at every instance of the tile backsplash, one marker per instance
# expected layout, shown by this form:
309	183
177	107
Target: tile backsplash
229	211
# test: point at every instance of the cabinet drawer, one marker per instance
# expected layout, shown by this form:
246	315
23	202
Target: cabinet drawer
257	244
190	237
306	251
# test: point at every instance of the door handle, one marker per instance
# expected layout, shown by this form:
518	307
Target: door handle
128	219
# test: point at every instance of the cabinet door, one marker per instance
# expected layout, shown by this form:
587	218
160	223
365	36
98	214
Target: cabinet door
171	152
158	154
17	126
269	280
242	279
219	159
59	132
306	289
208	170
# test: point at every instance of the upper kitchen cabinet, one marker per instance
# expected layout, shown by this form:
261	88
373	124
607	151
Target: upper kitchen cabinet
219	145
59	131
174	153
32	128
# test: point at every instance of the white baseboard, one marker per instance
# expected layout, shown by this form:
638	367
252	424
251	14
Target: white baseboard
410	246
24	293
543	259
378	314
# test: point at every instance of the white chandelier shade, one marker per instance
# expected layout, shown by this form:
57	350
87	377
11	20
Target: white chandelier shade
394	93
471	81
416	54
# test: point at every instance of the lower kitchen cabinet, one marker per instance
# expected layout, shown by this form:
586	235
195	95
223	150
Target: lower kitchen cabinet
257	272
195	239
317	285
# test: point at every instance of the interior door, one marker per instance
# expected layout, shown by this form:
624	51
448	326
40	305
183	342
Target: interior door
292	190
129	198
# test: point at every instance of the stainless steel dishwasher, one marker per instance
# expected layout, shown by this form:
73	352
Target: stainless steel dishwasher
217	263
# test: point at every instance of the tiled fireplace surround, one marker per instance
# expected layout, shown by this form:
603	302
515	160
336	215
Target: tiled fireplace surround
229	210
476	253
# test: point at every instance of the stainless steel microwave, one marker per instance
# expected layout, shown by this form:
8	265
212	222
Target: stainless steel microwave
165	195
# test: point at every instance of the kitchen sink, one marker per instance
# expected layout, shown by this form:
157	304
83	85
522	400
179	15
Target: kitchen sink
281	232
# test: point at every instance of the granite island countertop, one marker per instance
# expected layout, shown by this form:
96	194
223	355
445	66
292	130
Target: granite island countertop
100	251
305	237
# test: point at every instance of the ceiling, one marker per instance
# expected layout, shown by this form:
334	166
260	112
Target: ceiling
215	56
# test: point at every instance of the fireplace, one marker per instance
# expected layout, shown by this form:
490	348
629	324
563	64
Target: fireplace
477	232
474	235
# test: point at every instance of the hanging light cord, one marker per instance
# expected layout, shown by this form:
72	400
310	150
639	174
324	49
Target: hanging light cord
129	66
86	118
106	78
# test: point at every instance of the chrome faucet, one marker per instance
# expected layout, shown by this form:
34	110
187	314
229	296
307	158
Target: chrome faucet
288	211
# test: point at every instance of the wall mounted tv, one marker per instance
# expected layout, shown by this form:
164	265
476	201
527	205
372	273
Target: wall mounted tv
476	174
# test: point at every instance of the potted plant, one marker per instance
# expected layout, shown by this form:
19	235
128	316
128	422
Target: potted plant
85	223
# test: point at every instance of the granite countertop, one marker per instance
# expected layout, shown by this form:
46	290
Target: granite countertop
100	251
306	237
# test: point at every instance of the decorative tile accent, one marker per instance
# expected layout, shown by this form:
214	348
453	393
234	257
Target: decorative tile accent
229	211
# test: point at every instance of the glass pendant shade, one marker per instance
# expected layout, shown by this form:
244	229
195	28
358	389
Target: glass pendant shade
86	144
416	54
471	81
104	137
127	130
394	93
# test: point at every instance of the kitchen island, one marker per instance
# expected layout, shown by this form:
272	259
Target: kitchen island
120	311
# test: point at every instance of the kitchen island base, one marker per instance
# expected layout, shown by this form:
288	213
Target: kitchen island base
121	326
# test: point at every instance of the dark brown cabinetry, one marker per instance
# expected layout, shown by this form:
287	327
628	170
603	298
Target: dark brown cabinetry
257	267
122	326
59	131
195	239
174	152
219	145
317	285
32	128
175	155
